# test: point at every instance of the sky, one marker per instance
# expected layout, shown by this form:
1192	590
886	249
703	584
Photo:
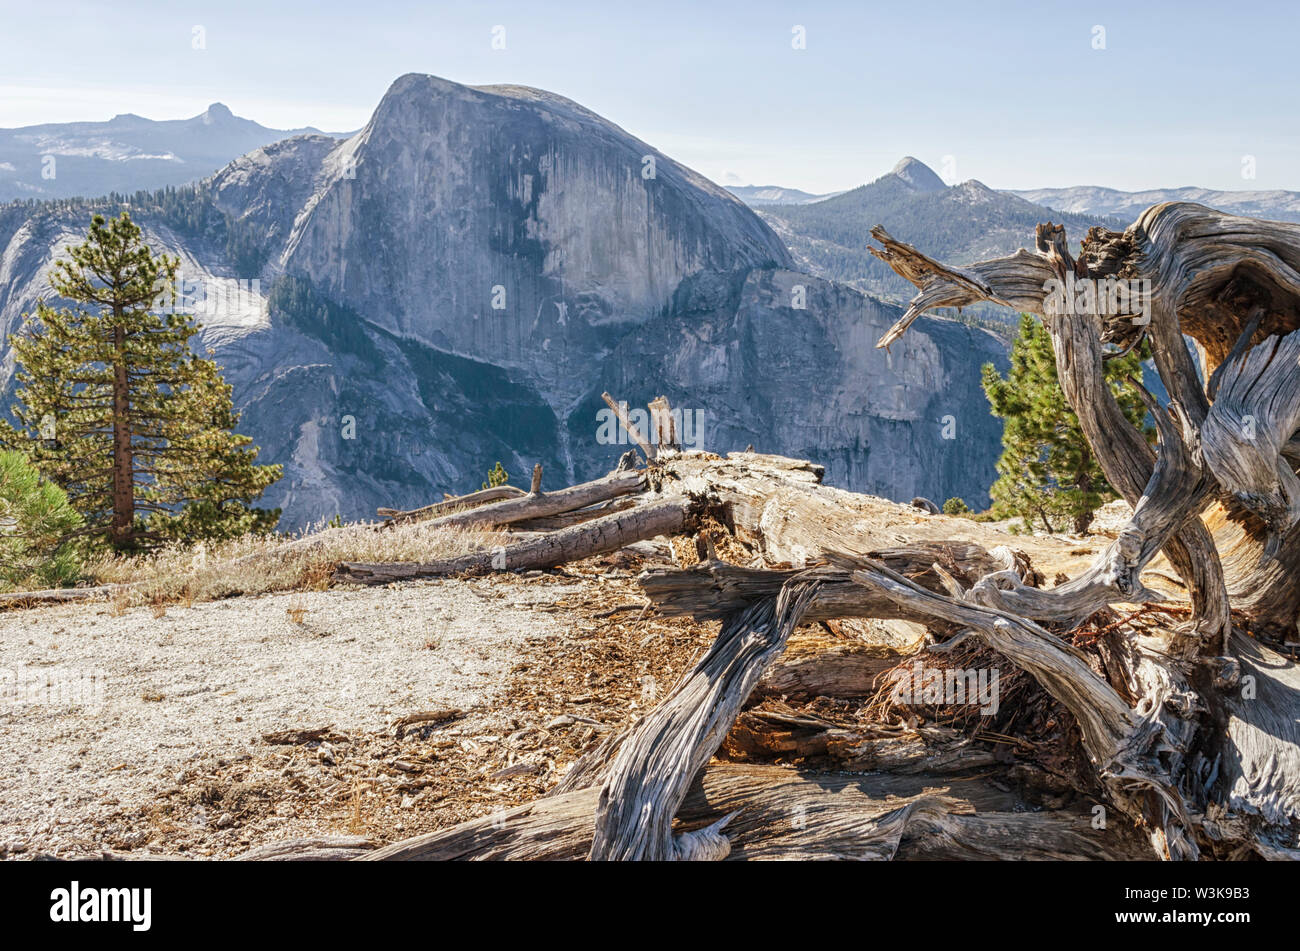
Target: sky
816	96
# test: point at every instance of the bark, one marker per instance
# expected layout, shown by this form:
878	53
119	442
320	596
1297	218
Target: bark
783	814
540	504
620	411
609	533
450	505
122	527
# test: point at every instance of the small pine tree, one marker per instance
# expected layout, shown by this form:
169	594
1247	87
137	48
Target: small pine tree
37	526
116	408
496	476
1047	471
956	506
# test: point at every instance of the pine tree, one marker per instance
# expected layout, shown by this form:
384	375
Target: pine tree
1046	472
955	506
37	526
496	476
116	408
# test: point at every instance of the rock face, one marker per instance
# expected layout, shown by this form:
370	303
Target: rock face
514	227
458	282
788	363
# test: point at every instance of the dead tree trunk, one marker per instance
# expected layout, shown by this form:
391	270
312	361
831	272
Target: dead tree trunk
482	497
600	535
537	504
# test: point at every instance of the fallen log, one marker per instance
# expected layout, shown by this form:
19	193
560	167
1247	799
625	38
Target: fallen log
541	504
340	848
843	672
551	523
668	516
23	599
482	497
656	762
783	813
714	590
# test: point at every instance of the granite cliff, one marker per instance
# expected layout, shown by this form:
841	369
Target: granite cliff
458	282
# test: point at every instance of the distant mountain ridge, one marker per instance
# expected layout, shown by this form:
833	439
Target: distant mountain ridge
125	154
958	223
1276	205
759	195
963	222
457	283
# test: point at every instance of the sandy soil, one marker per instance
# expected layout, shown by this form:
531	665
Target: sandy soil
130	732
102	710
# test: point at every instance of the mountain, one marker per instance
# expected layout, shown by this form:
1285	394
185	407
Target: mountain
760	195
457	283
959	223
916	175
1275	205
127	153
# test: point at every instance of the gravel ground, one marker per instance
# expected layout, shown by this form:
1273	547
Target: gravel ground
135	697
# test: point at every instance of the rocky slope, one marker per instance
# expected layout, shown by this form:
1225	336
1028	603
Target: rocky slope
959	223
458	282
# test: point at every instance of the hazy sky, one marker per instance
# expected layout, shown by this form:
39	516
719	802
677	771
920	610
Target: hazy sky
1014	94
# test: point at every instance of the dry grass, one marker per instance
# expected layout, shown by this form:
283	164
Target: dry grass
296	610
262	564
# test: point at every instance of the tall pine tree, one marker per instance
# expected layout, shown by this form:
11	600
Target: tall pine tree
1047	474
116	408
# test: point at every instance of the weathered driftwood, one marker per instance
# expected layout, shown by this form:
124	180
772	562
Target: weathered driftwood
541	504
620	411
841	672
661	755
1254	415
1233	285
1023	281
713	590
669	516
782	814
551	523
482	497
326	849
60	595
